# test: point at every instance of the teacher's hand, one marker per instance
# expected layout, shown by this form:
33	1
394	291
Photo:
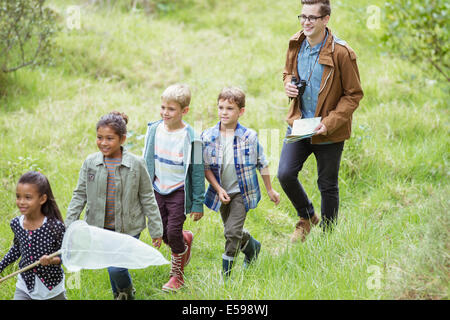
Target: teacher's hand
321	129
291	90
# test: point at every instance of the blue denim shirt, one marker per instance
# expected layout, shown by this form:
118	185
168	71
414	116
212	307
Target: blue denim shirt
305	63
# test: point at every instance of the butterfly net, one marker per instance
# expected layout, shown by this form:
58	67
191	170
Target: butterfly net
89	247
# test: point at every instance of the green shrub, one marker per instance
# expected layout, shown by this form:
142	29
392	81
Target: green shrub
26	30
418	30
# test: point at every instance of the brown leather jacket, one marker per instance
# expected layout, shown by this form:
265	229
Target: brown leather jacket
340	89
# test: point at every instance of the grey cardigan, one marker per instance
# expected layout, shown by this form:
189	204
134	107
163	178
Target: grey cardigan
135	199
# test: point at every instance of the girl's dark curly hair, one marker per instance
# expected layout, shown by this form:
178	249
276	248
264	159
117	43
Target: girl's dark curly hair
116	121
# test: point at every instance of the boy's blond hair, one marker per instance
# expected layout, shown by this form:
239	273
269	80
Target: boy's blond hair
179	93
233	94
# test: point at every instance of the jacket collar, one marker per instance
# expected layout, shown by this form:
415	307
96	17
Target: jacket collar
126	160
152	126
325	56
238	132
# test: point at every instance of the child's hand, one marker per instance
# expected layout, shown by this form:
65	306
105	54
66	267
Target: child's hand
224	197
196	215
274	196
157	242
45	260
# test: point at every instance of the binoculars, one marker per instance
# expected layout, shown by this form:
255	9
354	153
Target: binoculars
301	86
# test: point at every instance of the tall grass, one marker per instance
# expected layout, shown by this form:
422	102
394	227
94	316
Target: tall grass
394	171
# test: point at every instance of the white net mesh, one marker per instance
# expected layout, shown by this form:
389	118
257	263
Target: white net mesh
89	247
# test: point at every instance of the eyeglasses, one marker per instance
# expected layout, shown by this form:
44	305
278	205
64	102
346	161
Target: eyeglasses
303	18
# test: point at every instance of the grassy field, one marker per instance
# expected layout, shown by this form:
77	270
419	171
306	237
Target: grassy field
392	239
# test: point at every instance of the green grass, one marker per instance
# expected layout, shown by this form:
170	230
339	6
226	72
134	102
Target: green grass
394	171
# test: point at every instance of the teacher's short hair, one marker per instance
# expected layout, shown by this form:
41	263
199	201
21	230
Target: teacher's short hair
325	7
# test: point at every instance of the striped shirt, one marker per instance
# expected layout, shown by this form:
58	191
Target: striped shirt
169	166
110	210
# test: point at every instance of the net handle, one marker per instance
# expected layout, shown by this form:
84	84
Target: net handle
31	266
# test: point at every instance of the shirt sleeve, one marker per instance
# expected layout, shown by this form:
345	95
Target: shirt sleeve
352	93
59	236
12	255
148	201
262	161
198	177
79	197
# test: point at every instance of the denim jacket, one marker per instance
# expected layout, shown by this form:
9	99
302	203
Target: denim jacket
194	181
135	199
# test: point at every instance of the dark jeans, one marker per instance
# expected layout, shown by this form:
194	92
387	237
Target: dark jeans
171	207
328	158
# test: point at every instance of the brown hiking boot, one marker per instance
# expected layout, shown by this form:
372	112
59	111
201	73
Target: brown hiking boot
303	227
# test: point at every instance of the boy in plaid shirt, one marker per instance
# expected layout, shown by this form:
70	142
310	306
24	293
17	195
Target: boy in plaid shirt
231	156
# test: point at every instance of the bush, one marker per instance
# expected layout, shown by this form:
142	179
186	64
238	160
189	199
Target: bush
418	30
26	30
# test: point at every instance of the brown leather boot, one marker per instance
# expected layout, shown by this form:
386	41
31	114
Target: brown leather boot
303	227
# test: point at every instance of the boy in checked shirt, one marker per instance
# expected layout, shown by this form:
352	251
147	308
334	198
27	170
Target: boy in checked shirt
231	155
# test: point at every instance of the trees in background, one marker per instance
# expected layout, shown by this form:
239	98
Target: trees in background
26	30
419	31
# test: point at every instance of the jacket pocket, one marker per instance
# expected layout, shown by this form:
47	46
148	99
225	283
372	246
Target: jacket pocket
91	183
134	219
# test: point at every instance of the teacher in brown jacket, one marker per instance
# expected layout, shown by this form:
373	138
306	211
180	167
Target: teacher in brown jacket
321	78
